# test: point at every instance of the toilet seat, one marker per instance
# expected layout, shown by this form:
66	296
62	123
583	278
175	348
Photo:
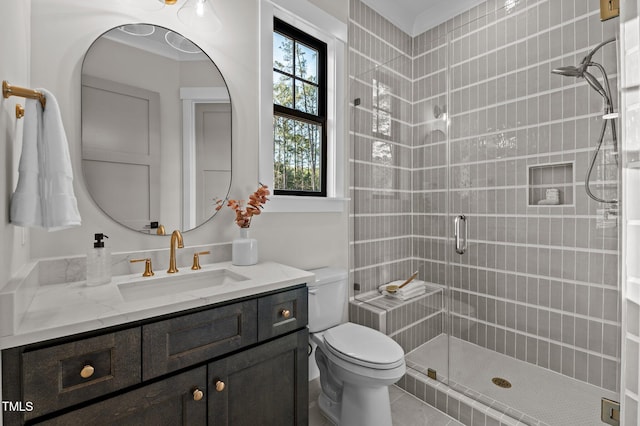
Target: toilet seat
364	346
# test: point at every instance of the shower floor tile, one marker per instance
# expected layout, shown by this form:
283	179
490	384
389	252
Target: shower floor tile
542	394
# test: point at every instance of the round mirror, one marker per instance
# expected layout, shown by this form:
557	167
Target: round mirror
156	129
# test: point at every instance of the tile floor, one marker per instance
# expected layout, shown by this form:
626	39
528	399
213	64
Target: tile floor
406	410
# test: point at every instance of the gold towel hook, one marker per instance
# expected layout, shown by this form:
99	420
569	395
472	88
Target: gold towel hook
19	111
9	90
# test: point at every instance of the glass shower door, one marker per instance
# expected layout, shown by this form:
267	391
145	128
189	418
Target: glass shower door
533	300
389	242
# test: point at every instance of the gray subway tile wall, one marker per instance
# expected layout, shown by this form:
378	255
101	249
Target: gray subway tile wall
529	119
538	283
381	150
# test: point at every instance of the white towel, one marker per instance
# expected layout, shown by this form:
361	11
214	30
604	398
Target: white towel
413	289
44	196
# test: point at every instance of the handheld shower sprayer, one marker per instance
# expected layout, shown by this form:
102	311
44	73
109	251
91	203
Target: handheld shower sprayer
581	71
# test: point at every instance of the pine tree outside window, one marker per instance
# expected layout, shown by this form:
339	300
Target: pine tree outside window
299	112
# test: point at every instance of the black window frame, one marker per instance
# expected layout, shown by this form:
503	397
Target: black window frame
300	36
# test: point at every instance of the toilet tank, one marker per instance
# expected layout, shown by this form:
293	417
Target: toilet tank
327	298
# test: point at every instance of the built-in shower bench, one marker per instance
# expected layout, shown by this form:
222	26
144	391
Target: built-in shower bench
409	322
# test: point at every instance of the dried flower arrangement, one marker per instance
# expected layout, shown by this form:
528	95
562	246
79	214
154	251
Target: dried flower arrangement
253	207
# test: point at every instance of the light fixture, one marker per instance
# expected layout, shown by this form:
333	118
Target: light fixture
199	15
138	29
196	14
180	43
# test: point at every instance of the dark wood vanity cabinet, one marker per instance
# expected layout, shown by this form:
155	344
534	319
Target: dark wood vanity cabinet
238	363
176	343
263	386
171	401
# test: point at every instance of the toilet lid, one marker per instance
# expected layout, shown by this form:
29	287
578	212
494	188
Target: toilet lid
364	346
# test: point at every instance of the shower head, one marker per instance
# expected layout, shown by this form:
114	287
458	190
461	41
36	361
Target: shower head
589	78
569	71
581	69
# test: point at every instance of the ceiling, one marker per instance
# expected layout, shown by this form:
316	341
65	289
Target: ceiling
416	16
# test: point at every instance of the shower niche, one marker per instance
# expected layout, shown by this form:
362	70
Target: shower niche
551	184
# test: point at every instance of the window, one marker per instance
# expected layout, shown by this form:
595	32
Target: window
384	175
299	112
381	124
317	24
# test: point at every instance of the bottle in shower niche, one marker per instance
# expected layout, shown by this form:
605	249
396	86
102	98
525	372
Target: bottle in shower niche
98	262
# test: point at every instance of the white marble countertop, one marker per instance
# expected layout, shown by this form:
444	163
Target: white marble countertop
60	310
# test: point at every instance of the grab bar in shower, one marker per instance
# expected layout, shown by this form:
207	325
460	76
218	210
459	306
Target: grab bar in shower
461	242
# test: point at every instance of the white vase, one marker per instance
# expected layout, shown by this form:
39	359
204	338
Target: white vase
244	250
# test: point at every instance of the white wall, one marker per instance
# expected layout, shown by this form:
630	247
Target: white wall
15	45
337	8
62	32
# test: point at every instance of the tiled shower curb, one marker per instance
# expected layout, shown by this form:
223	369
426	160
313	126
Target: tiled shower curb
457	405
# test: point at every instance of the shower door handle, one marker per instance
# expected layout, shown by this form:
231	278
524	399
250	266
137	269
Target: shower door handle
461	242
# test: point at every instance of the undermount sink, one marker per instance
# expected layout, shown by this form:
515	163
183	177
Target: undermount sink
181	282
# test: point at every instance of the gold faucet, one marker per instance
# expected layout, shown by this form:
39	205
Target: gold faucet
176	242
148	269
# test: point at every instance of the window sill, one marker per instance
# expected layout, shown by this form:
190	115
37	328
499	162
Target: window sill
293	204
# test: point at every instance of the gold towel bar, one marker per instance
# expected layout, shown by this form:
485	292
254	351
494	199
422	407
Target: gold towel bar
9	90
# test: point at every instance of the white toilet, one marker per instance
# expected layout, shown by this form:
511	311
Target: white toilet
357	364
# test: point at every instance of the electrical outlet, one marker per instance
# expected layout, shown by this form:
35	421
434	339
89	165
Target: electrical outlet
609	9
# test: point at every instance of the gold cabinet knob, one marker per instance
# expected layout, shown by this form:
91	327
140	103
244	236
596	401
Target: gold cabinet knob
87	371
285	313
219	385
197	394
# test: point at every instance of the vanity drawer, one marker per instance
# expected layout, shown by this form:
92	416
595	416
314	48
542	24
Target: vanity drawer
70	373
282	312
171	401
183	341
